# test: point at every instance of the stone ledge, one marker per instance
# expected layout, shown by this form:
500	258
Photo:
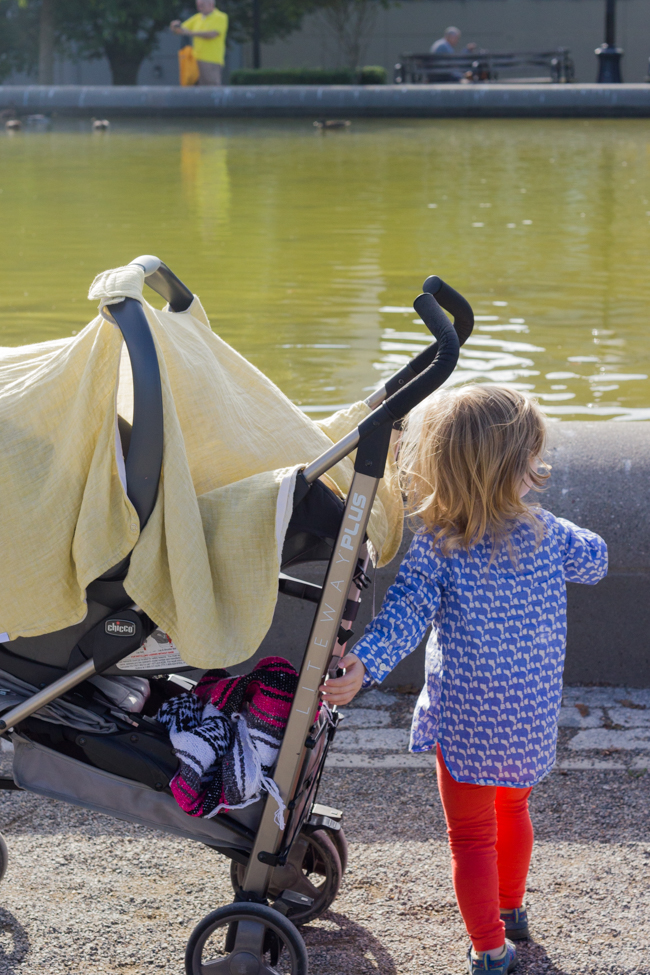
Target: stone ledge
601	479
352	101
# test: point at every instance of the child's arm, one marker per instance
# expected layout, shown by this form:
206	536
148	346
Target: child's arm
584	553
408	609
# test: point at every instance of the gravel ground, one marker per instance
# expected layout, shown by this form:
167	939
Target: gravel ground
87	894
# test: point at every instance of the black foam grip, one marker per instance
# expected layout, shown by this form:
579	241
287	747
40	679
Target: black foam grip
440	369
454	303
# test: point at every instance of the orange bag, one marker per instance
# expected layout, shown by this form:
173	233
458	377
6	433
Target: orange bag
188	68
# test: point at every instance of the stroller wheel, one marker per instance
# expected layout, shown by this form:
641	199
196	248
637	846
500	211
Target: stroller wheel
245	939
313	870
340	842
4	857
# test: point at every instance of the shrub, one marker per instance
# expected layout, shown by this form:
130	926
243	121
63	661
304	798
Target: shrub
372	74
308	76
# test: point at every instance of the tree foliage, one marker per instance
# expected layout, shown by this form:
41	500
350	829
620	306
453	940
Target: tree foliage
278	18
125	31
128	31
18	36
352	23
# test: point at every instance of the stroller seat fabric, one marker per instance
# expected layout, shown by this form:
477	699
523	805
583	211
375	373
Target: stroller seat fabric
59	712
227	734
232	444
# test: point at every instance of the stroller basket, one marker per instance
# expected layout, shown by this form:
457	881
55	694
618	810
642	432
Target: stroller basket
57	776
123	769
50	773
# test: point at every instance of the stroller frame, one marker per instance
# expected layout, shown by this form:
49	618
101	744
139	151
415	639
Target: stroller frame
257	933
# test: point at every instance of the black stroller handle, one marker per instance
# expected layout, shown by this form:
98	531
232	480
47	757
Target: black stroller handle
408	387
456	305
374	432
445	352
164	282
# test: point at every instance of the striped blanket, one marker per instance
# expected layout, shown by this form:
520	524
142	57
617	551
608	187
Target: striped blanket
226	734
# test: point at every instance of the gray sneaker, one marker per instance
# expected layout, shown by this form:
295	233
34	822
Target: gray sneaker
497	966
516	922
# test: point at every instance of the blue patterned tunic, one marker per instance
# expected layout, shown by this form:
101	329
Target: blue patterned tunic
495	657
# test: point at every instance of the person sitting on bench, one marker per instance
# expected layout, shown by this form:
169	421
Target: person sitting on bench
446	45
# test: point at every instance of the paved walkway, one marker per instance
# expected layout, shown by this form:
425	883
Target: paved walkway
601	728
89	895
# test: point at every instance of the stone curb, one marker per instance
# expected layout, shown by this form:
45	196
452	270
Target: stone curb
353	101
617	719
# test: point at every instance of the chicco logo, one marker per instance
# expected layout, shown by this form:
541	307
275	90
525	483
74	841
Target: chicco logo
119	628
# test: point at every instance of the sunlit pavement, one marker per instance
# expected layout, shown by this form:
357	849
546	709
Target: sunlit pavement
88	894
601	729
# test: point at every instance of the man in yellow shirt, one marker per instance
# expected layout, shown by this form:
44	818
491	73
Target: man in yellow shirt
208	29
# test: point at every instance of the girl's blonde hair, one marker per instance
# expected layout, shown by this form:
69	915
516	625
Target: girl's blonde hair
463	457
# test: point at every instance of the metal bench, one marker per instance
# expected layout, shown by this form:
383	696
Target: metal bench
483	66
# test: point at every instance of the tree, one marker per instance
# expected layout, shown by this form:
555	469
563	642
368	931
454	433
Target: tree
28	37
124	31
46	42
18	37
278	18
351	22
264	21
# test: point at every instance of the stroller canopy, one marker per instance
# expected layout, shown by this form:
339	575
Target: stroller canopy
205	566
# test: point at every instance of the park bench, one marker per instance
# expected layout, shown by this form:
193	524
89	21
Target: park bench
483	66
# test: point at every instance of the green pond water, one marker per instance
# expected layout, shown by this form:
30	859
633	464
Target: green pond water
307	249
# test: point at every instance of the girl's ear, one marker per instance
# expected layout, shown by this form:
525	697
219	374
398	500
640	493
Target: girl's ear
527	480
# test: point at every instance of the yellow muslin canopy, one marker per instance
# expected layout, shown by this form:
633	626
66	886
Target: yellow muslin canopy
205	566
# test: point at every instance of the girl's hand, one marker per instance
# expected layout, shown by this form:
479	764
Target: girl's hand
341	690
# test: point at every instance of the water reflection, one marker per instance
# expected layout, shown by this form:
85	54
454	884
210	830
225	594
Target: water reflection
307	252
206	183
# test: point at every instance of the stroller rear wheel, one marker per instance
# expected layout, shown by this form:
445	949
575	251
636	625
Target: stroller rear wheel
4	857
245	939
312	870
340	842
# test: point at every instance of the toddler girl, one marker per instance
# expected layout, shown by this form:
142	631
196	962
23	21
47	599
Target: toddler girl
488	571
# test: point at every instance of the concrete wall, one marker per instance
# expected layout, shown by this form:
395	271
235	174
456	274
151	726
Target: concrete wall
601	480
498	25
332	101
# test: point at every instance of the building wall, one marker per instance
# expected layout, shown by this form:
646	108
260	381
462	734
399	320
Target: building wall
498	25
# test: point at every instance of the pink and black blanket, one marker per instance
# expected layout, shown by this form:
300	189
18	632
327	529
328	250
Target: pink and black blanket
226	734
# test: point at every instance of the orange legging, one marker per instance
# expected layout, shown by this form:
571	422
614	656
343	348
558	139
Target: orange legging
491	839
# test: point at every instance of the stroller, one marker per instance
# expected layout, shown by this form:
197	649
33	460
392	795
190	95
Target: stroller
121	762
